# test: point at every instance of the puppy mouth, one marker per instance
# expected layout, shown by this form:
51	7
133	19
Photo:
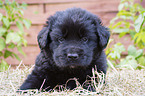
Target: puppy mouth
72	63
69	63
72	66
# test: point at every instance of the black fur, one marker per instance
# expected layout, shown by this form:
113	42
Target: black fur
71	45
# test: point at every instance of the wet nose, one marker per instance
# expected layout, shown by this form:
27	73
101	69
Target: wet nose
72	56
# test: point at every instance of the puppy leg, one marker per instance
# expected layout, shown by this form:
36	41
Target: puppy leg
33	81
101	63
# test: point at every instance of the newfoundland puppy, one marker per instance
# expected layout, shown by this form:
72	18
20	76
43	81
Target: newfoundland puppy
71	44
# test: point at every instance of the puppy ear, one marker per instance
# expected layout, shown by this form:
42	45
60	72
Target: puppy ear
103	34
43	37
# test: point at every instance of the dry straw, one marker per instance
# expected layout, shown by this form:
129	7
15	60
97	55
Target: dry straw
119	82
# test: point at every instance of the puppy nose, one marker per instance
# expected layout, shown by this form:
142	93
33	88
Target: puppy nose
72	56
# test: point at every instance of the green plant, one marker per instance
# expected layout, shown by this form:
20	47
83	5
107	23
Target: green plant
114	53
132	59
130	19
10	38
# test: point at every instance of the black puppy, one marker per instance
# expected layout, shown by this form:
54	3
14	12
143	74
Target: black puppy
71	45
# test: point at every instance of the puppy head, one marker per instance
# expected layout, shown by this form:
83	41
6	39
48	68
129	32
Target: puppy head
72	36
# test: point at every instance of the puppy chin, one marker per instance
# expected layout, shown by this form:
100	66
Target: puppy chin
77	65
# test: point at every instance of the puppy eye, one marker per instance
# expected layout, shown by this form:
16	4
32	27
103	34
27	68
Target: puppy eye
84	39
60	40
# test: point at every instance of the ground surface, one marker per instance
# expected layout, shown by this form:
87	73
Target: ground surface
119	82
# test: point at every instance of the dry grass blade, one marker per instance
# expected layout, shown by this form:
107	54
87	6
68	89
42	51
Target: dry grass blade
118	83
